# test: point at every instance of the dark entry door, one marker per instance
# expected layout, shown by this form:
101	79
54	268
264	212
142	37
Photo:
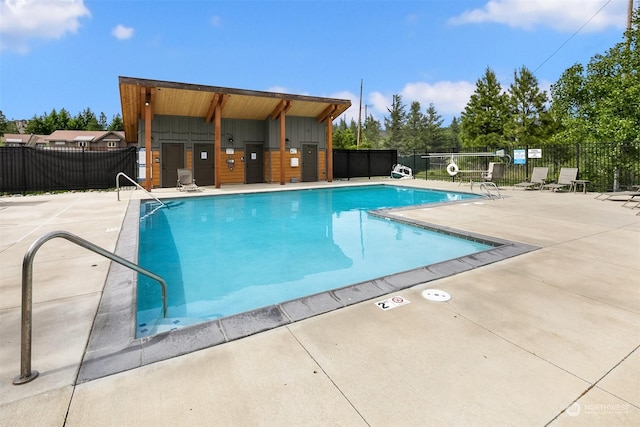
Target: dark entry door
309	162
172	160
254	162
203	164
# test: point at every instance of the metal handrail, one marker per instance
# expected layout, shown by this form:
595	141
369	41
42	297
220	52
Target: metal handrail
26	374
136	184
487	186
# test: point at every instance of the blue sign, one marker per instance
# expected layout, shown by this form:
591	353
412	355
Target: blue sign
519	157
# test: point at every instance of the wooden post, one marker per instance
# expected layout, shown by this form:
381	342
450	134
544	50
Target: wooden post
217	123
330	149
147	146
282	144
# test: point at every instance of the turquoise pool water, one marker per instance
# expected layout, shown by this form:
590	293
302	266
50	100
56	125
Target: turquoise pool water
223	255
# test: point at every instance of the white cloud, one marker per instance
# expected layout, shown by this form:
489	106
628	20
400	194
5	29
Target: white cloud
122	33
448	98
26	20
561	15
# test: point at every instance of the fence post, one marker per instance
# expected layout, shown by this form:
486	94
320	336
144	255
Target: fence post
24	169
84	169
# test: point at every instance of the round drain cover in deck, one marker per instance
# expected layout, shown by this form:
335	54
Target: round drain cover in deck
436	295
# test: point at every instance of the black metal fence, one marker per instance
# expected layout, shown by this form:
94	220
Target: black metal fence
363	163
606	165
26	169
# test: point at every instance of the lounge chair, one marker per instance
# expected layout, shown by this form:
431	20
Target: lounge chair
619	196
565	179
186	181
538	178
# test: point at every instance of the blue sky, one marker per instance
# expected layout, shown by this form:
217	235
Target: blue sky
69	53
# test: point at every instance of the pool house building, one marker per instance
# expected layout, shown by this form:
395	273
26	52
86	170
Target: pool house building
225	135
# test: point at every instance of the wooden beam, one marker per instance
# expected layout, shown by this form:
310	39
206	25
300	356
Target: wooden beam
223	101
212	108
219	99
327	113
282	108
276	111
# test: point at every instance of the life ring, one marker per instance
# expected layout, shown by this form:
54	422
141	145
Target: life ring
452	169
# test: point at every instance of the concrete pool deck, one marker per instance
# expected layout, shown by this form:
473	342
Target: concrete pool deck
548	337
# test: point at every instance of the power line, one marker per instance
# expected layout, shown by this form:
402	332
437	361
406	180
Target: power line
572	36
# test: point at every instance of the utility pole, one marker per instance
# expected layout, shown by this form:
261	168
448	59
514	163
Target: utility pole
629	13
359	117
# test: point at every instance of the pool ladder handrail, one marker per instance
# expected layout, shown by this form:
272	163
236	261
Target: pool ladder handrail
26	374
488	186
137	185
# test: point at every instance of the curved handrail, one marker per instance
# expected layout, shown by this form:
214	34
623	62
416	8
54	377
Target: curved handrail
136	184
26	374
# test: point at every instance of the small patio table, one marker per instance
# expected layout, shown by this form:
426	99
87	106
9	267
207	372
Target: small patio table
582	182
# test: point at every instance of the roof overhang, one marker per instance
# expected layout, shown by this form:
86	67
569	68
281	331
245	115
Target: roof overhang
191	100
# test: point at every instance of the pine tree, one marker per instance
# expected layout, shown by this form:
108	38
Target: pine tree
485	115
527	107
394	125
414	129
434	134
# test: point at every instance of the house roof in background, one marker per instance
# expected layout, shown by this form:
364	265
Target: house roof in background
82	135
24	139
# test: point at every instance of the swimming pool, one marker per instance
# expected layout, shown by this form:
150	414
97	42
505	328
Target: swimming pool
114	346
228	254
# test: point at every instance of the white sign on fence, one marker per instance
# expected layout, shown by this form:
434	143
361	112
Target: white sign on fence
535	153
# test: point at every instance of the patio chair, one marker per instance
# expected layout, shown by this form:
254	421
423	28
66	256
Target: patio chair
494	173
186	181
489	178
565	179
538	179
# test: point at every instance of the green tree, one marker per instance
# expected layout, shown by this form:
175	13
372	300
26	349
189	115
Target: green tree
85	120
7	126
414	129
394	124
102	121
527	108
601	102
485	115
371	133
344	139
116	123
39	126
434	134
452	136
63	120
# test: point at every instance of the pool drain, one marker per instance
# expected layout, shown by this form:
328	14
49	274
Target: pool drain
436	295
